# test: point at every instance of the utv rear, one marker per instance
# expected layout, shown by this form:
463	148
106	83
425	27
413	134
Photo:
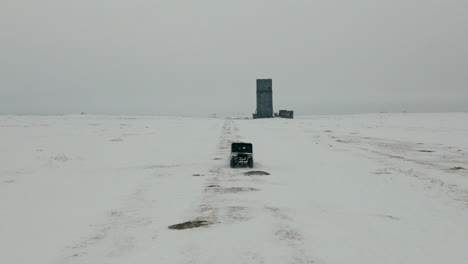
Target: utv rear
241	155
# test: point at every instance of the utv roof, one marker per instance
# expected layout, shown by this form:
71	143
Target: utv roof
241	147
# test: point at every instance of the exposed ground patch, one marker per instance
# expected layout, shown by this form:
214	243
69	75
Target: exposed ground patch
189	225
391	217
256	173
60	158
457	168
9	181
426	151
237	189
382	172
343	141
288	234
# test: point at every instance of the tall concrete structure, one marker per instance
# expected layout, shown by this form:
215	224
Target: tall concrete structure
264	98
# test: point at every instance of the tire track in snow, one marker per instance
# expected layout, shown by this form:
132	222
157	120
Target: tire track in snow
212	208
227	205
290	236
398	155
124	230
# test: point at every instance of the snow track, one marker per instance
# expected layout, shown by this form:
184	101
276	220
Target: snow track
241	220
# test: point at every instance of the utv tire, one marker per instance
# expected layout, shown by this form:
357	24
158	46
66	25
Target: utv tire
251	163
233	163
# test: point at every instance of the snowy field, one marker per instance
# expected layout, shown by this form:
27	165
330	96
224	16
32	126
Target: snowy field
363	189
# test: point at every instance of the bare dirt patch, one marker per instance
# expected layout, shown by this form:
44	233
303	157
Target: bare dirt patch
9	181
189	225
256	173
238	189
391	217
343	141
457	168
60	158
426	151
197	175
382	172
288	234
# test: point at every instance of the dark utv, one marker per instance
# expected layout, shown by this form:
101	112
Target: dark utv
241	155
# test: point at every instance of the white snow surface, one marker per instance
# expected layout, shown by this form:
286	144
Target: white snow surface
358	189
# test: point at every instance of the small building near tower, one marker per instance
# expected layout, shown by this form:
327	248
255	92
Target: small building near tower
286	114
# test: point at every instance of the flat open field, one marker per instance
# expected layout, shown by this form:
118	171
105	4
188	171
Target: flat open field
363	189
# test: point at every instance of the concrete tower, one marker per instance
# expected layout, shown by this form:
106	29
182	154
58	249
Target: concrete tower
264	98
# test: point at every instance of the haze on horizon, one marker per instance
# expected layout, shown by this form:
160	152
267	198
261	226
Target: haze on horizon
202	57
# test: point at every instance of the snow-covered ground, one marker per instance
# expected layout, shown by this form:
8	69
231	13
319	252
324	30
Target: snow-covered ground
343	189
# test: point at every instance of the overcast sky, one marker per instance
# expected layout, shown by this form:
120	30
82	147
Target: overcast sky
202	57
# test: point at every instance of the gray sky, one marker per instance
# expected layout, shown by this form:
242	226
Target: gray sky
202	57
